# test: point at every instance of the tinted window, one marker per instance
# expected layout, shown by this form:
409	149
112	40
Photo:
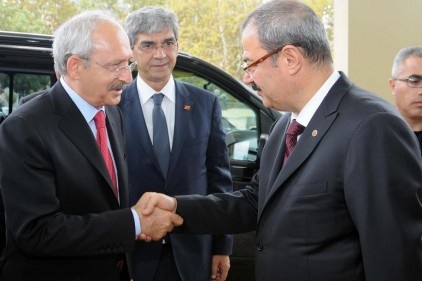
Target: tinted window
4	93
14	86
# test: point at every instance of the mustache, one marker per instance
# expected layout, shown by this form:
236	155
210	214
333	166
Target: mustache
255	87
117	86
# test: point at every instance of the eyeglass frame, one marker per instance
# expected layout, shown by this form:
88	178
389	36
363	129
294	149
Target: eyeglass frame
155	46
131	66
409	81
246	67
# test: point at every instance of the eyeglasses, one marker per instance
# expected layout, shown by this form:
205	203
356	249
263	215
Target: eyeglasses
149	47
117	70
247	67
414	81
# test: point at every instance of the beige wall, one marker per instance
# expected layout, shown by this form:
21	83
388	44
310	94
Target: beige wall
368	34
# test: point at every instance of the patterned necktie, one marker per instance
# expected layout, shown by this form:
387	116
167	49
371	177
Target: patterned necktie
100	124
160	140
293	131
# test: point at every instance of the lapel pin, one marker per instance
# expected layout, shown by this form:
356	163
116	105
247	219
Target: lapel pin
187	107
314	133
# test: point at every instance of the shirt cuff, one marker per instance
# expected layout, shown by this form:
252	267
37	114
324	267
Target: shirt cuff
137	222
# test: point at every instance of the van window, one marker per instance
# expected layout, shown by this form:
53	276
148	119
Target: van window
14	86
4	94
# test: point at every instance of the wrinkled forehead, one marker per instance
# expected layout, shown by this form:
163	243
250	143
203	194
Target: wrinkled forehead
161	36
410	66
110	38
250	43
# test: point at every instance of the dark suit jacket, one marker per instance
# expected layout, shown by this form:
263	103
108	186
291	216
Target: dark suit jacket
344	205
2	222
29	97
198	165
63	220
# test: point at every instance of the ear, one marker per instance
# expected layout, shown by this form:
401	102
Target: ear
293	58
74	67
392	84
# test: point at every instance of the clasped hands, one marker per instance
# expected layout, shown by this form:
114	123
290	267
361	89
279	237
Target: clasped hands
157	213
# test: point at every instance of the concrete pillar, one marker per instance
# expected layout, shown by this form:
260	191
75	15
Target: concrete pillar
368	34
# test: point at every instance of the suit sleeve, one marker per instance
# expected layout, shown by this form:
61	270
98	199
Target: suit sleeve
380	193
220	213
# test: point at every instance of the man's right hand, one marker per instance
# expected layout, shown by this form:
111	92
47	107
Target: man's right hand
157	215
154	200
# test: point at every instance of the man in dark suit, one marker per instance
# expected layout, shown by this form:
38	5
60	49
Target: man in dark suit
198	161
343	204
67	212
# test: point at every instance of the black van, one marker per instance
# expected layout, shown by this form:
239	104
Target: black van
26	66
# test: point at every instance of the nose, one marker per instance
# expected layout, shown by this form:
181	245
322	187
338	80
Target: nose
159	52
247	78
125	75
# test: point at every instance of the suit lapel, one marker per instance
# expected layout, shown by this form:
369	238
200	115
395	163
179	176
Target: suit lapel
74	126
183	111
313	134
135	117
279	130
118	152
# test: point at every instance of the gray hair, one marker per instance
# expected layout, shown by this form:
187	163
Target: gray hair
74	37
148	20
281	22
401	56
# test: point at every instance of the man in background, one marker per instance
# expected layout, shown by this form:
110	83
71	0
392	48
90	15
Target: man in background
185	154
406	86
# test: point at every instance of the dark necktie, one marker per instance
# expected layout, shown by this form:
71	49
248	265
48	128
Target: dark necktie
293	131
100	124
160	140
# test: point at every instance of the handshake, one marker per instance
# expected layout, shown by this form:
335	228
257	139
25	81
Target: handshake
157	214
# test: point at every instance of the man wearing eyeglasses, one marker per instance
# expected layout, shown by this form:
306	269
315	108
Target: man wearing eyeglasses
335	197
63	172
175	145
406	86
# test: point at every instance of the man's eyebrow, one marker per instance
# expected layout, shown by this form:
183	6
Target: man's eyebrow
164	40
117	62
414	76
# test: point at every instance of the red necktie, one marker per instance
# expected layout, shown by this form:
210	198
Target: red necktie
102	142
293	131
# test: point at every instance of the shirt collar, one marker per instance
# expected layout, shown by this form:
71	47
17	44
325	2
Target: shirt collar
145	92
306	114
88	111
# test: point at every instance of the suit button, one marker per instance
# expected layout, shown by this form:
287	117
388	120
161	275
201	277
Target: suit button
259	247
